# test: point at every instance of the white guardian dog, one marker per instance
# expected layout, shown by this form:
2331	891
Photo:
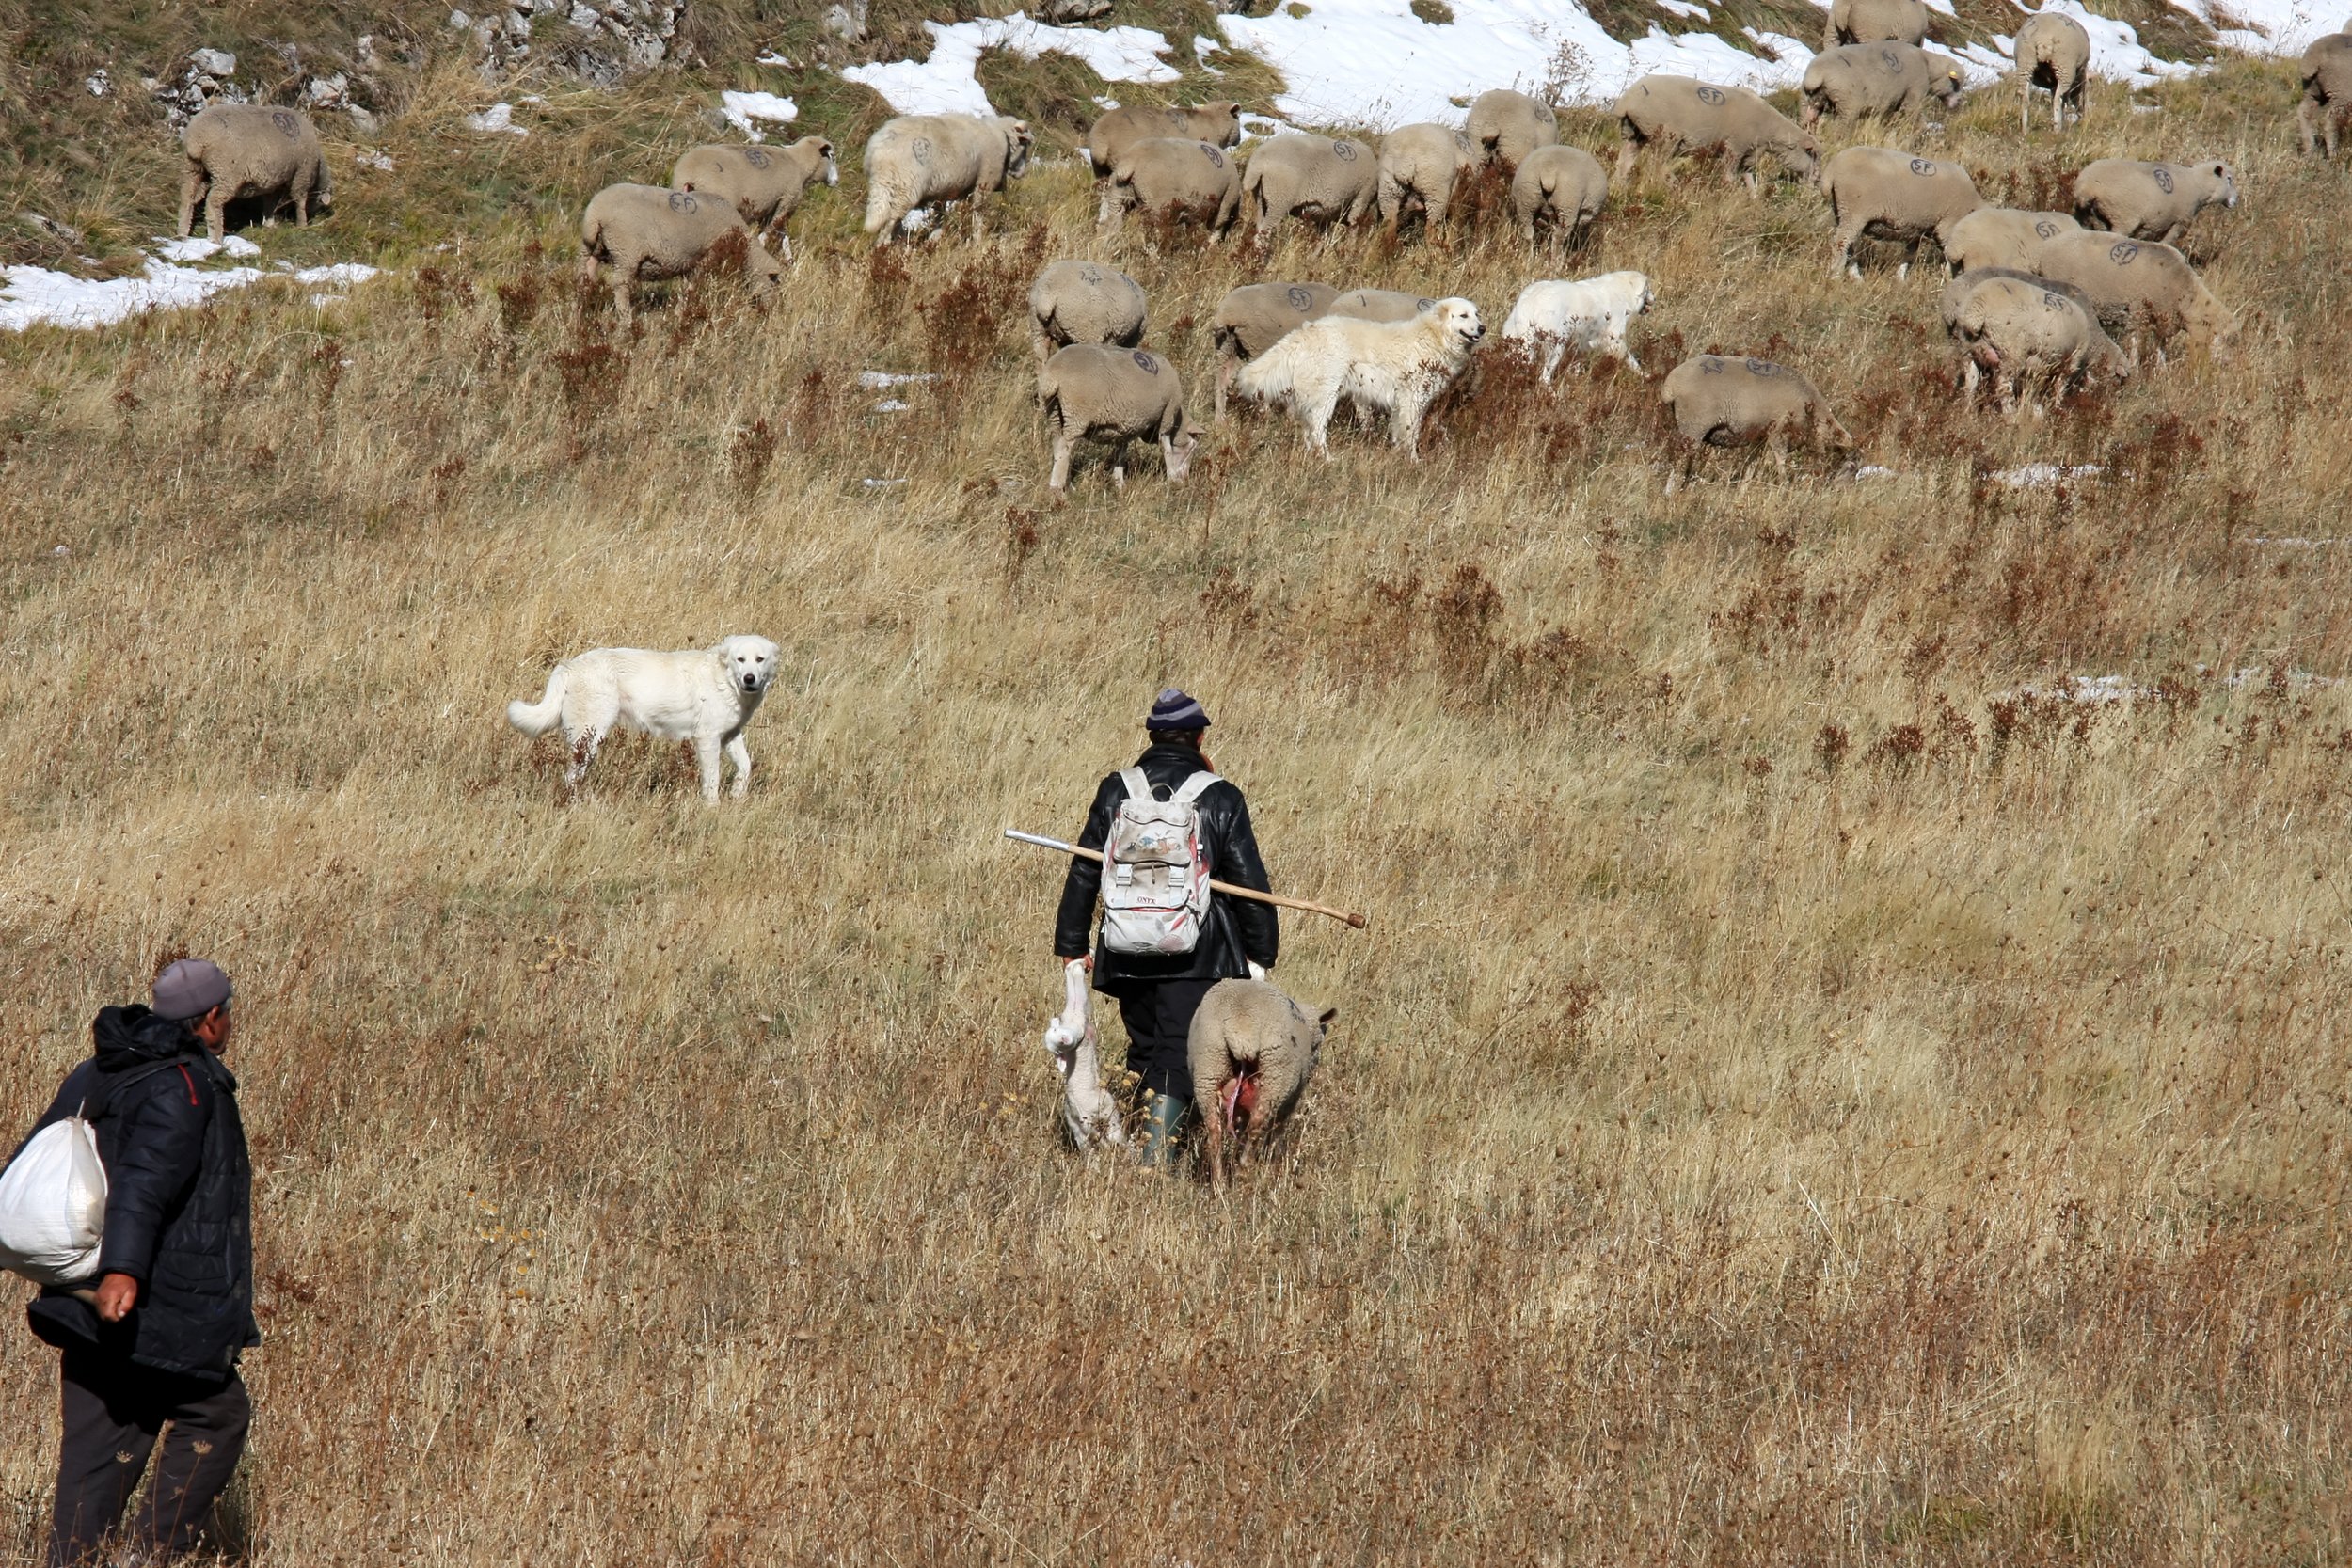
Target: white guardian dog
705	695
1589	315
1392	367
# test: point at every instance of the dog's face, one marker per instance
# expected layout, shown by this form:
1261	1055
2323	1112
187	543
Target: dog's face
1461	318
750	662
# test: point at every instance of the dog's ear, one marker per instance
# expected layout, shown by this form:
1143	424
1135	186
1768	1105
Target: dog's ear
1326	1016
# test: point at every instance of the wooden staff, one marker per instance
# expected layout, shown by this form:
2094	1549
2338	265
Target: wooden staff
1343	916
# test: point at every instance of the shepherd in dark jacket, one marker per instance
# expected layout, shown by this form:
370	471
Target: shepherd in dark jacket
155	1344
1158	993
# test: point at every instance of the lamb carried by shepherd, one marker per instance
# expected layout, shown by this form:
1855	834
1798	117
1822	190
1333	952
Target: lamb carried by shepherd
1397	369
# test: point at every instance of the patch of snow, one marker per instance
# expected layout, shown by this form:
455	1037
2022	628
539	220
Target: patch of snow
214	62
892	405
948	82
742	108
2034	476
2270	26
31	296
496	118
1684	8
874	381
198	250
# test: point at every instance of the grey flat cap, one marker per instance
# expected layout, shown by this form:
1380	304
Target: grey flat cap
190	988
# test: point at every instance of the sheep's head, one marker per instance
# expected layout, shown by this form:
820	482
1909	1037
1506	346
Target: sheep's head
1180	450
820	154
1224	120
1017	143
2224	188
1951	90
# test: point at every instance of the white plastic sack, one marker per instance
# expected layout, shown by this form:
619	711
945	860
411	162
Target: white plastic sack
53	1205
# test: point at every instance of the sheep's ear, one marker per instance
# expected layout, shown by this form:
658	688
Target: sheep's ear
1325	1017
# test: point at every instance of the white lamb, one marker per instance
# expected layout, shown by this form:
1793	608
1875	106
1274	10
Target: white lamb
1589	315
1087	1109
1395	369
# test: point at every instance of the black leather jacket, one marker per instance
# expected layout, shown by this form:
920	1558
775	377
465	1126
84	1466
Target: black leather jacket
179	1200
1236	929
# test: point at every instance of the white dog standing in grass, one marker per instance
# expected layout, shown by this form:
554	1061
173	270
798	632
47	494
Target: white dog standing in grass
1392	367
705	695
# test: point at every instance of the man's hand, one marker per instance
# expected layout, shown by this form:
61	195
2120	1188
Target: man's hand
1060	962
117	1294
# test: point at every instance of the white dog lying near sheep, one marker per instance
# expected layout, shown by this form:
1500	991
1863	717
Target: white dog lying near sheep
1252	1051
1392	367
705	695
1589	315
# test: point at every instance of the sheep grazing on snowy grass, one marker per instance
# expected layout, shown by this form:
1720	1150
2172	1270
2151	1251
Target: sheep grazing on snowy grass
1505	126
1252	1051
1679	113
2030	339
646	234
1870	20
1089	1112
1085	302
2053	52
1418	166
1118	395
764	183
238	151
1564	185
916	160
2326	92
1721	402
1881	194
2150	201
1397	369
1316	180
1589	315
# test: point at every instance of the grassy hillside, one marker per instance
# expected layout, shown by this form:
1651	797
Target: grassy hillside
1818	1086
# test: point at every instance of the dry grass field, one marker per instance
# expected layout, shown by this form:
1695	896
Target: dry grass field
1817	1086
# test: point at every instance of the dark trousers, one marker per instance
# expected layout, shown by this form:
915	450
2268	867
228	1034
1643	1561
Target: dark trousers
112	1412
1158	1016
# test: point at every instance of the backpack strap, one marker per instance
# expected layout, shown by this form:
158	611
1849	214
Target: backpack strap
100	1101
1193	788
1139	787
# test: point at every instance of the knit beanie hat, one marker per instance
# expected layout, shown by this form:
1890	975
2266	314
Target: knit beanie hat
190	988
1174	710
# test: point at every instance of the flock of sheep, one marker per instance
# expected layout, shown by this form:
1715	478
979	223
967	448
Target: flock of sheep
2033	298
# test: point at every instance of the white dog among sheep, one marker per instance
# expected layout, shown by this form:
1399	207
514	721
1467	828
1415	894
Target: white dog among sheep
705	695
1397	369
1589	315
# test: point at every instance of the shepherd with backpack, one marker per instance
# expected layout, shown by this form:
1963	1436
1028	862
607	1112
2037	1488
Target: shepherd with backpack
1164	827
146	1259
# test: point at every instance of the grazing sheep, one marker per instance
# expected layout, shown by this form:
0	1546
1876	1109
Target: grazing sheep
1956	293
2141	286
1392	367
1217	123
2002	237
1254	317
240	150
2327	91
1678	112
1168	177
1379	305
1252	1051
2029	336
1872	20
1115	395
2053	52
646	234
2150	201
1089	1112
1589	315
1312	178
915	160
1719	402
764	183
1564	185
1885	194
1417	165
1084	302
1857	80
1504	126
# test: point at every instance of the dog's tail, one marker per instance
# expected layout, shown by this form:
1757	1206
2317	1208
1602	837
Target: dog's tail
1270	377
544	714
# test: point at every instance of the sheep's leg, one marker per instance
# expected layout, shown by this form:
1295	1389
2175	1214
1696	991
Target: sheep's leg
1064	443
1841	251
1227	362
1629	149
621	300
216	212
1107	210
1040	342
192	188
1119	463
707	754
1167	458
740	755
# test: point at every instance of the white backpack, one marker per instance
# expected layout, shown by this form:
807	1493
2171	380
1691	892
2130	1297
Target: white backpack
1155	869
53	1205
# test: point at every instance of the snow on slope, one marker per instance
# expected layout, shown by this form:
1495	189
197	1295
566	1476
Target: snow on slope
31	296
1372	64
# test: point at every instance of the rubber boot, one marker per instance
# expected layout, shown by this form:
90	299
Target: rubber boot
1163	1126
